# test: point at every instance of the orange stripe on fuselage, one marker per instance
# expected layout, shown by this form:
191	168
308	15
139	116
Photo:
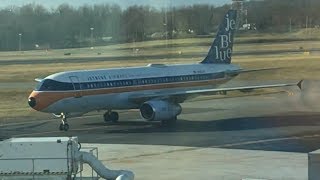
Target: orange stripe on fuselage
46	98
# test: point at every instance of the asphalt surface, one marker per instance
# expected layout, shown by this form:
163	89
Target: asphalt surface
288	121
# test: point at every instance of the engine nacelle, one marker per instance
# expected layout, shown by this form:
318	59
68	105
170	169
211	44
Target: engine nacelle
158	110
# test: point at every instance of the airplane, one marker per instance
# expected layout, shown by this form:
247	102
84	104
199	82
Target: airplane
156	89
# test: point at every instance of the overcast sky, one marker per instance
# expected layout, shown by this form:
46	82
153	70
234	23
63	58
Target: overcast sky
122	3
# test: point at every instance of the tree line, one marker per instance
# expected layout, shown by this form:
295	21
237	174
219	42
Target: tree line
68	27
284	15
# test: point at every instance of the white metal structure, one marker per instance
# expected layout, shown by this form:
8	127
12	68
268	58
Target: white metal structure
50	158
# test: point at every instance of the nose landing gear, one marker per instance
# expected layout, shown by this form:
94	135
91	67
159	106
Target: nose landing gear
64	126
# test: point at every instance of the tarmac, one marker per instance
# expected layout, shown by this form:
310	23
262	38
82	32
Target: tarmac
178	162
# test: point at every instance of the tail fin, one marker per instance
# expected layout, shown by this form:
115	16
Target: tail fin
221	48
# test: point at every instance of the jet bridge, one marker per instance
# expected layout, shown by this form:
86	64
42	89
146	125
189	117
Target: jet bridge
52	158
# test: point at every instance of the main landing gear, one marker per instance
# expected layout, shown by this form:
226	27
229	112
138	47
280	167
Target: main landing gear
64	126
111	116
169	123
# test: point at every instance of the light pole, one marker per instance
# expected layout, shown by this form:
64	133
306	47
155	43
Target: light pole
166	22
20	35
91	37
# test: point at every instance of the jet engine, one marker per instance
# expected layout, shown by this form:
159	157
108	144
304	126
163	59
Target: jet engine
159	110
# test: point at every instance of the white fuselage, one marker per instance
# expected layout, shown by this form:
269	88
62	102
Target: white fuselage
88	90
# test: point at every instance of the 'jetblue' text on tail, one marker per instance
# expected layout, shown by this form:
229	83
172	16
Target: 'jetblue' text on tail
221	49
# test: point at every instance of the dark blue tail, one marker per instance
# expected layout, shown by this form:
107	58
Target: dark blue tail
221	48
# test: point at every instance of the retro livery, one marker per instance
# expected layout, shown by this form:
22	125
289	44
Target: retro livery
156	90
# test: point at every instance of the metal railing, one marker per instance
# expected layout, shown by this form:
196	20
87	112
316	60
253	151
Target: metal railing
93	151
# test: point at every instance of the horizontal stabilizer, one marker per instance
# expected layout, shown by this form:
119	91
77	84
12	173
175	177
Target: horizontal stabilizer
261	69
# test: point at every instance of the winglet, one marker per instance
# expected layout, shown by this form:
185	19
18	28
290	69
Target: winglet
300	84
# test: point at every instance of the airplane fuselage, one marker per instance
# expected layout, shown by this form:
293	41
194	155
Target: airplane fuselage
88	90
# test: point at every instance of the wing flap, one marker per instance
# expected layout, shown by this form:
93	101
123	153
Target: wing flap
231	73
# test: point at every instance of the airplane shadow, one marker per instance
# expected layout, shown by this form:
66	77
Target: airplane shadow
217	133
233	124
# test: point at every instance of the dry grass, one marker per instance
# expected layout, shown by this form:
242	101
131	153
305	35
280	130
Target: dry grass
301	65
293	67
14	104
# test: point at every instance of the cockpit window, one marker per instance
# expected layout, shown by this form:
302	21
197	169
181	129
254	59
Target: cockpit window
52	85
38	86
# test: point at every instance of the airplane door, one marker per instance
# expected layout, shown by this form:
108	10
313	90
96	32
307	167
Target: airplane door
79	103
76	86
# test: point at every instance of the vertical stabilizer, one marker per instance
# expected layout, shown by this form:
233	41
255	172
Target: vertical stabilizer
221	48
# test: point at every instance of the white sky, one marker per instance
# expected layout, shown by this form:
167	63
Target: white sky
122	3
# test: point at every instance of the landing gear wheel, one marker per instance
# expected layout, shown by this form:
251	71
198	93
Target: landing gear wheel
61	127
66	127
164	123
111	116
170	122
114	117
106	117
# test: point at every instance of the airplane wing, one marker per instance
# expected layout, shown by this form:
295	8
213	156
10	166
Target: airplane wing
183	94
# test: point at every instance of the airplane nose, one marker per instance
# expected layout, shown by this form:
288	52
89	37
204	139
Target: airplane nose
32	102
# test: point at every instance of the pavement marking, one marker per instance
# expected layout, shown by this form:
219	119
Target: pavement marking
42	120
48	132
71	130
23	123
265	140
